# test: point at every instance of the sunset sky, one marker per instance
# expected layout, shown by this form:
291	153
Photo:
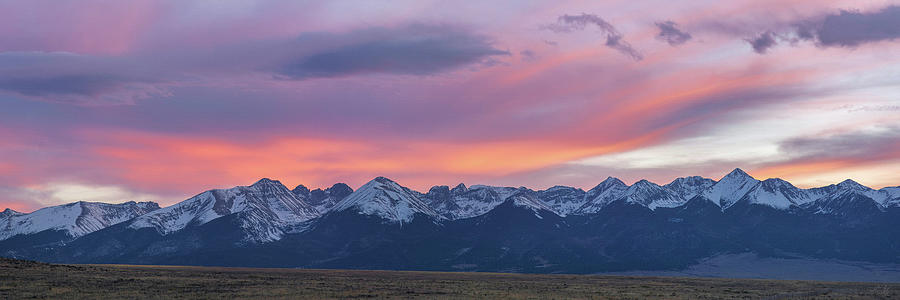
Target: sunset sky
115	101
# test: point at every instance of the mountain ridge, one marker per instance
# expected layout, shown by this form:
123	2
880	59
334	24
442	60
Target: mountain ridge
613	226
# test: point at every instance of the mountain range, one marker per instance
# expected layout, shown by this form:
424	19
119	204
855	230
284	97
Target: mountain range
384	225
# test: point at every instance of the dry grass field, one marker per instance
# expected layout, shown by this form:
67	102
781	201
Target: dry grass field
23	279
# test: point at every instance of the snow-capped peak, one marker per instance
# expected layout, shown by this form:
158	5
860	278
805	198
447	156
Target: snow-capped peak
563	199
73	219
688	187
8	212
459	189
265	209
469	202
776	193
893	196
609	190
525	200
652	195
730	188
849	184
385	198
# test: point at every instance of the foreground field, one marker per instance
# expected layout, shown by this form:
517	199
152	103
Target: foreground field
22	279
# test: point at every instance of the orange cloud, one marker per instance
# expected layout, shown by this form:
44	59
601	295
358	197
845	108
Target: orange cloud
189	164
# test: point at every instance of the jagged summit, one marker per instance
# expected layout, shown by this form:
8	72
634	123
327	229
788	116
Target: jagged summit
266	182
688	187
459	189
652	195
264	209
730	188
387	199
321	199
9	212
604	193
563	200
301	190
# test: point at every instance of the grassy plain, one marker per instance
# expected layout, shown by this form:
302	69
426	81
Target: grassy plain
24	279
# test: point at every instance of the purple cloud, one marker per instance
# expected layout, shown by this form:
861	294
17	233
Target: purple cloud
77	79
669	33
762	42
852	28
415	49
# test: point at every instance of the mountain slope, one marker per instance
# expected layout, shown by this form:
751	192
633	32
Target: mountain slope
385	198
563	199
73	219
611	189
730	188
776	193
688	187
266	210
461	202
323	200
651	195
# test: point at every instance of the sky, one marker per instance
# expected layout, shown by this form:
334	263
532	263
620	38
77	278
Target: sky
118	101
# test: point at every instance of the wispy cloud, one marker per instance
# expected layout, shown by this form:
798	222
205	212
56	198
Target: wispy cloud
614	39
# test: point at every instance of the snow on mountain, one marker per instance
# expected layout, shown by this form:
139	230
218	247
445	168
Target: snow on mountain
881	196
74	219
844	202
527	200
730	188
611	189
470	202
688	187
776	193
652	195
563	199
385	198
265	210
893	196
323	200
8	213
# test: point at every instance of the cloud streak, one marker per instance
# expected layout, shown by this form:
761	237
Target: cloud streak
415	49
614	39
77	79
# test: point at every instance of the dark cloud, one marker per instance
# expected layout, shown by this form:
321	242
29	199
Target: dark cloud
413	50
669	32
852	28
864	145
846	28
763	42
77	79
614	39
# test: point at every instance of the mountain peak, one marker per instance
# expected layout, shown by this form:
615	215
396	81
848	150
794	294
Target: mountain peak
387	199
644	182
459	189
9	212
383	180
609	182
301	190
776	182
850	184
737	173
266	182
